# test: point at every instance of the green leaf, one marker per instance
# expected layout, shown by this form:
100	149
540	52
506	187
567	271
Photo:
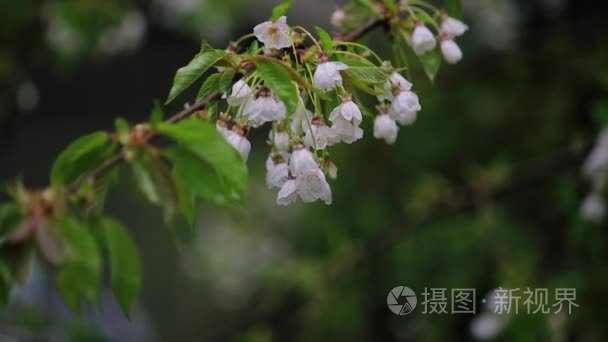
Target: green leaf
157	114
202	140
203	180
10	218
375	75
453	8
352	81
280	10
211	85
226	79
277	78
79	157
390	4
125	266
155	182
325	39
80	275
186	75
430	63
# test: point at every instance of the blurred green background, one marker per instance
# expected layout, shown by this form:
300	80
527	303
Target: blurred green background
482	192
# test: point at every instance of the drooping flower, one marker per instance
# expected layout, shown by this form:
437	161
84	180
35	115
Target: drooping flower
337	17
404	108
274	34
596	163
319	135
385	128
240	93
265	108
302	161
327	76
236	138
453	27
277	171
348	111
279	139
222	127
593	208
312	185
395	84
423	39
346	131
450	50
301	119
330	168
288	193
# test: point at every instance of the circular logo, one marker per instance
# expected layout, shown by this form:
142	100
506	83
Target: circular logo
401	300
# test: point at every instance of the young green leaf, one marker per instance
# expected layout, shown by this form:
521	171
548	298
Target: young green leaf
203	180
125	266
10	218
453	8
226	79
324	38
277	78
202	139
79	157
280	9
211	85
155	182
375	75
80	275
157	114
430	63
186	75
390	4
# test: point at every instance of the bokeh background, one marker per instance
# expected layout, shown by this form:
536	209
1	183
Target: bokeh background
482	192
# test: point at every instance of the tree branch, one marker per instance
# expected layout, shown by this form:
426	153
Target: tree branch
109	164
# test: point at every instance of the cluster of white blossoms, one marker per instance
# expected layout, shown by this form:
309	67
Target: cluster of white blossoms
595	169
423	40
299	162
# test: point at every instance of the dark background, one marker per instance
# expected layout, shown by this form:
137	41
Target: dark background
482	192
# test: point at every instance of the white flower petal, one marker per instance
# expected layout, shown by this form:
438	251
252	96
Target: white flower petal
453	27
327	76
288	193
385	128
423	40
451	52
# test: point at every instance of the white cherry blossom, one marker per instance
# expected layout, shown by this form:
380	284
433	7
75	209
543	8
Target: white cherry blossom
288	193
240	93
593	208
396	83
302	161
404	108
279	139
348	111
453	27
274	34
240	143
277	172
450	50
346	131
423	39
312	185
385	128
327	76
319	135
264	109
